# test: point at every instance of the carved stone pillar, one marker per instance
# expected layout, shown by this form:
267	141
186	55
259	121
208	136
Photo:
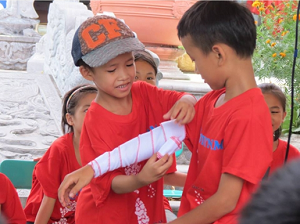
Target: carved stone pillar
17	34
64	17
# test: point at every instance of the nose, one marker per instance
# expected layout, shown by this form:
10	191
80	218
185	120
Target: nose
124	74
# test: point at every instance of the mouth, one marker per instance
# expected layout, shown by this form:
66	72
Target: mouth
123	86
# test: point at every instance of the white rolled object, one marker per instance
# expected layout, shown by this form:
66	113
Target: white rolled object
165	139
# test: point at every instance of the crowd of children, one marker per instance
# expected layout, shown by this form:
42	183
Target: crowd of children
233	131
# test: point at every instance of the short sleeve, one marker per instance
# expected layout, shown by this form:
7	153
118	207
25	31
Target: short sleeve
158	98
49	171
247	149
193	128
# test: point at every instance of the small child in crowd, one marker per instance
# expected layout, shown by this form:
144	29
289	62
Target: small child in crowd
10	205
102	48
147	63
276	102
60	159
231	134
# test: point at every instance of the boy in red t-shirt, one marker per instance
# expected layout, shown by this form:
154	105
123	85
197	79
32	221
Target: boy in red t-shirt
231	134
10	205
102	48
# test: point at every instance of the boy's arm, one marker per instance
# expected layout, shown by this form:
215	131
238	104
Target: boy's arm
152	171
175	179
45	210
183	110
218	205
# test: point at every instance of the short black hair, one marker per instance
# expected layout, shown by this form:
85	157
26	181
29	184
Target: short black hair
277	201
227	22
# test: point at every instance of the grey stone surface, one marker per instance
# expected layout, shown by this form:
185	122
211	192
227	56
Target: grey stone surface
29	115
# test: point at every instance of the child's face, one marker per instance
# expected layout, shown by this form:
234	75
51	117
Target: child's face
205	65
115	78
80	111
276	110
145	72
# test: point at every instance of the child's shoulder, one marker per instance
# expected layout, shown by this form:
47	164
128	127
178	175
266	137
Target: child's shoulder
65	139
211	96
61	144
3	179
282	145
142	86
143	90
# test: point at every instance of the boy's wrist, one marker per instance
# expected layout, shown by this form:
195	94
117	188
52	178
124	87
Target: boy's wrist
93	169
140	180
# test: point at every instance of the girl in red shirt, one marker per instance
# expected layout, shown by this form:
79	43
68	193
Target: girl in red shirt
276	102
60	159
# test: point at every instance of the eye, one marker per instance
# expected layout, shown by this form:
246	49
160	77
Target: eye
136	77
274	112
111	71
150	78
130	65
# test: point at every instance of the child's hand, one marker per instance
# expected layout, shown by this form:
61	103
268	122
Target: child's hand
155	169
183	110
73	183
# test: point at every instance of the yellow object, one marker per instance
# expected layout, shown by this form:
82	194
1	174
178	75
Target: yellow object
185	63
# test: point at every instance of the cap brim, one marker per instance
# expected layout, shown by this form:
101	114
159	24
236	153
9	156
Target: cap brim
101	56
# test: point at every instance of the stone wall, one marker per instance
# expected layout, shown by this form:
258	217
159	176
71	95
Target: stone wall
64	17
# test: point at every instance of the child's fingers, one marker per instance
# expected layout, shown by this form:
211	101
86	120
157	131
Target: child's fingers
74	191
167	116
63	196
175	112
182	114
162	160
64	191
153	158
167	163
189	117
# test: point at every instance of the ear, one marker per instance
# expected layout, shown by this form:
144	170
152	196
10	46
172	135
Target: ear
283	116
86	73
69	119
219	53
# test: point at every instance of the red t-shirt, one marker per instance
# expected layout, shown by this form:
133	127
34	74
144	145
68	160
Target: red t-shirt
103	131
279	155
11	207
49	172
234	138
